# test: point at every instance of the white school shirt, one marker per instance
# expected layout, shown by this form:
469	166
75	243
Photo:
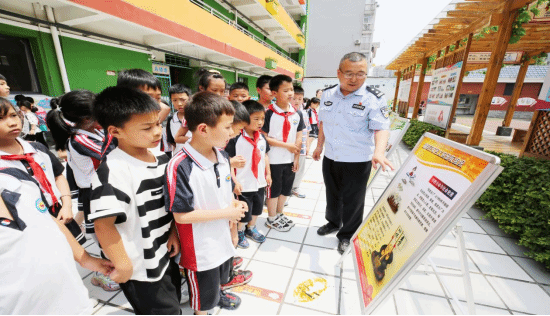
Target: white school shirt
39	274
195	183
133	191
273	126
175	125
240	146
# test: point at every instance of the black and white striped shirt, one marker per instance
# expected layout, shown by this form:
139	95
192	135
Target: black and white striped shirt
132	191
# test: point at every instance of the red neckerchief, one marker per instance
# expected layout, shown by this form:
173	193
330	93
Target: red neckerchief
286	125
38	173
256	155
316	117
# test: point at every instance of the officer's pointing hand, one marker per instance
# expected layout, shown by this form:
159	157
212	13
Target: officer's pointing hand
382	161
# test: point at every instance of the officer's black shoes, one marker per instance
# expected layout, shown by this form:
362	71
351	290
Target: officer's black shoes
327	229
342	246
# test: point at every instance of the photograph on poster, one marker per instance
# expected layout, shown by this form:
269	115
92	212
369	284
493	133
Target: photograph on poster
425	192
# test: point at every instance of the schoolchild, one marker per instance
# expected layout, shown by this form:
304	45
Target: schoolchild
208	80
36	249
74	129
255	175
312	107
239	92
179	96
265	96
298	104
4	88
127	203
283	126
199	195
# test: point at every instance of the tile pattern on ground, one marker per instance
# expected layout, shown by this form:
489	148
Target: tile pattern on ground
506	281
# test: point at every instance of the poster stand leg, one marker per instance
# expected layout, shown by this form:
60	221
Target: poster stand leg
463	257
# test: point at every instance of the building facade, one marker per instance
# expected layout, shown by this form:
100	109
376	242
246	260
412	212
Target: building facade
338	27
60	45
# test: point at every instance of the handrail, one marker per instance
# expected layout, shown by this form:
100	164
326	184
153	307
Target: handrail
222	17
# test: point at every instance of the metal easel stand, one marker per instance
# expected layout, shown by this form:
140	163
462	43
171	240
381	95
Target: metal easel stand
463	257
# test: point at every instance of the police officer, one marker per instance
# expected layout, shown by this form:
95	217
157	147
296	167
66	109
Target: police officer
354	126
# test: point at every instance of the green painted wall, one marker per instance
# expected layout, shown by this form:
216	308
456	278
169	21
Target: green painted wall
218	7
87	63
44	57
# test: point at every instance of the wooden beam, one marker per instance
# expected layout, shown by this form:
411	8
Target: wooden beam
491	78
406	110
517	92
459	83
420	87
397	89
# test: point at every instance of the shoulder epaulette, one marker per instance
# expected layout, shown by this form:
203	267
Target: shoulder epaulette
375	91
330	87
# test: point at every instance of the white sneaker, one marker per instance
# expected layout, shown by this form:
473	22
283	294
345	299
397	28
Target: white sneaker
278	224
286	219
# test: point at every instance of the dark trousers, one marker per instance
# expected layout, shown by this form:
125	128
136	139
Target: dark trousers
156	298
346	184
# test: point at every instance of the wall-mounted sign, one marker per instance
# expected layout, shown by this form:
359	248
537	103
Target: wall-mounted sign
526	102
498	101
161	70
484	57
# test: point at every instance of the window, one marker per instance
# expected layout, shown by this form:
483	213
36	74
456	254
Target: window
17	65
509	89
243	80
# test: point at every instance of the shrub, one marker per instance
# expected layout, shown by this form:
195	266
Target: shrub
417	129
519	200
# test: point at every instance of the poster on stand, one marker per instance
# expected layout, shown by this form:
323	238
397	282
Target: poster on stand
398	128
442	94
404	90
439	180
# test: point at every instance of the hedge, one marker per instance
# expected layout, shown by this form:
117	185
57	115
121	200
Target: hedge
519	200
417	129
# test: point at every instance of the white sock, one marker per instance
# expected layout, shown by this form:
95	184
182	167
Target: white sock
272	218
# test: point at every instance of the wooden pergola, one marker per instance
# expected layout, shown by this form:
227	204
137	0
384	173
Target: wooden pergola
460	25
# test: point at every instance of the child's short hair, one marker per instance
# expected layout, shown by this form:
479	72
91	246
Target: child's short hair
206	75
238	85
136	78
298	90
263	80
277	81
5	106
241	114
115	106
206	107
3	78
253	106
179	88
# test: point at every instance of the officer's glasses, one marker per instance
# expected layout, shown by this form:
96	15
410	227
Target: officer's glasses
349	75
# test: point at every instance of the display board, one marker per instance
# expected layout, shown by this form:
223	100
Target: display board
404	90
398	128
439	181
442	94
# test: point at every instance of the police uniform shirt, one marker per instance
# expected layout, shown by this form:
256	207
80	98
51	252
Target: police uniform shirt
39	271
193	182
240	146
349	122
132	191
273	126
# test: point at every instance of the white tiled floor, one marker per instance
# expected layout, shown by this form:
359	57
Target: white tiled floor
504	281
